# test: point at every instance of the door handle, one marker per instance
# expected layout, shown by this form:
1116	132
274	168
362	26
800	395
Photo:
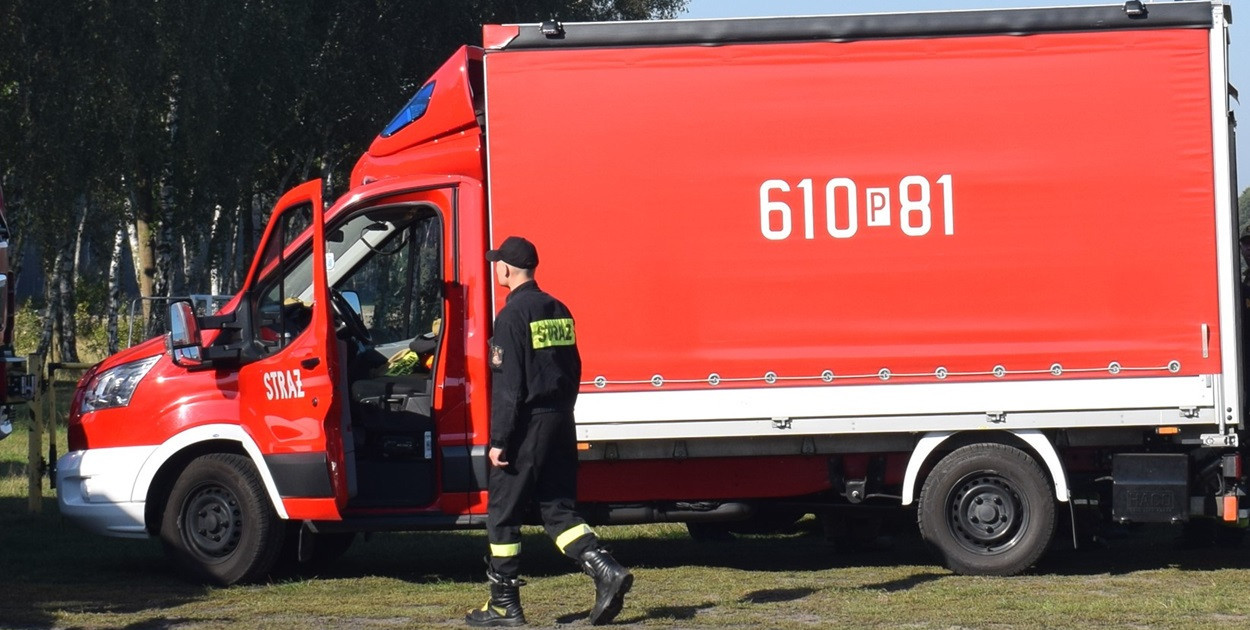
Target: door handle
310	363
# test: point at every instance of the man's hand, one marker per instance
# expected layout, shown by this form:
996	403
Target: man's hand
496	458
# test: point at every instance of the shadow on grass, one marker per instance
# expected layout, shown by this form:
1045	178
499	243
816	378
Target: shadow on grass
658	613
13	469
443	557
457	556
905	584
775	595
50	565
1140	548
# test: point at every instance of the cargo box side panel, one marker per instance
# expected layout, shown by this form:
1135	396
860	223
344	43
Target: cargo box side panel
920	206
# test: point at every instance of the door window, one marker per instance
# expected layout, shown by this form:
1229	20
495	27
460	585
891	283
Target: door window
391	258
284	297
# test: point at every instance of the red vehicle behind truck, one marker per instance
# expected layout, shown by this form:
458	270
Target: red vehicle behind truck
979	263
18	385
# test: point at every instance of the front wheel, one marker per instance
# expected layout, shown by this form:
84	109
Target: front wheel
218	523
987	509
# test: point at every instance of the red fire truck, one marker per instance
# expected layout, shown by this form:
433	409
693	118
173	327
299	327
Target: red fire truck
980	263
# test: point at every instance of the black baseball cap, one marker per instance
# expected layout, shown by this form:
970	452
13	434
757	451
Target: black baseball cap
515	251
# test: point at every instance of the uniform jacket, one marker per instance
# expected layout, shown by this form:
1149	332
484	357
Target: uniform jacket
534	360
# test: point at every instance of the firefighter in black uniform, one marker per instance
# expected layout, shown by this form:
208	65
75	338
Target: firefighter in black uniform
536	370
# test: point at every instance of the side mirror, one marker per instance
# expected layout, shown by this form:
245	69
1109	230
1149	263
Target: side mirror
183	339
353	300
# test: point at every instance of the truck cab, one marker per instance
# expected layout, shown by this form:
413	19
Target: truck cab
331	393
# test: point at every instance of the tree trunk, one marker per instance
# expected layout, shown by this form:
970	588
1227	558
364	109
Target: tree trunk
243	240
115	288
164	231
81	210
50	310
66	317
14	213
142	251
210	262
197	254
188	255
67	294
248	211
164	265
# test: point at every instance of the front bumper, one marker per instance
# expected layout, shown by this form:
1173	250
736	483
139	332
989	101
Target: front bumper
94	490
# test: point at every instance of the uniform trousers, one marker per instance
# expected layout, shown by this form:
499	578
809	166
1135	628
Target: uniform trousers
543	472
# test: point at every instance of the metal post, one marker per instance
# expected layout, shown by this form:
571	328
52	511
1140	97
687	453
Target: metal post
51	423
34	449
54	412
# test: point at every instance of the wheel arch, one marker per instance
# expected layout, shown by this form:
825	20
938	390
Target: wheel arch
162	469
931	445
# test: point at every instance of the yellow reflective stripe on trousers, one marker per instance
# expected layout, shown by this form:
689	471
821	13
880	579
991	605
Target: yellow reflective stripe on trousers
546	333
505	551
571	534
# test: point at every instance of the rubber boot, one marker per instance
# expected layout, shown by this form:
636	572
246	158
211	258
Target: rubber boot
504	607
612	582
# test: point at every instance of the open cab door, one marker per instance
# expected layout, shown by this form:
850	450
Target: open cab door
347	349
274	359
289	361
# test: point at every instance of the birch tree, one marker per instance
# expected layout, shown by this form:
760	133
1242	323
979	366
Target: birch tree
179	124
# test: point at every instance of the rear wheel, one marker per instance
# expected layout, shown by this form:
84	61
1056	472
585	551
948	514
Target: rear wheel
987	509
218	523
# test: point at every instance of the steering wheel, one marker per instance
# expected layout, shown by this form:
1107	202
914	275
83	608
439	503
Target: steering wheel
347	322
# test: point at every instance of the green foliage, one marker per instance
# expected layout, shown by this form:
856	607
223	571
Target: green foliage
27	326
194	116
1243	210
92	330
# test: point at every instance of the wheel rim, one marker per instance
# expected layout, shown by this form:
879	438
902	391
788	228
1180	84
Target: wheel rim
986	514
212	521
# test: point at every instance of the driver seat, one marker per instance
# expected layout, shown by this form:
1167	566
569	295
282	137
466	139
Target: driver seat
396	392
392	393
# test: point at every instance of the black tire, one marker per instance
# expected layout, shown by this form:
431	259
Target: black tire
218	523
987	509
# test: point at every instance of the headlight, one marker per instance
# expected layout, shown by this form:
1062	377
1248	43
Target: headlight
113	388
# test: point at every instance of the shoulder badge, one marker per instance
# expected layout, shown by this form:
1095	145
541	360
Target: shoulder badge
547	333
496	357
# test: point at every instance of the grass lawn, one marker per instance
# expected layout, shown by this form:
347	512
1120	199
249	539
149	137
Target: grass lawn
56	576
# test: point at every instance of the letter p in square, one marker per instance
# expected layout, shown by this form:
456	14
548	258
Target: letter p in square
878	206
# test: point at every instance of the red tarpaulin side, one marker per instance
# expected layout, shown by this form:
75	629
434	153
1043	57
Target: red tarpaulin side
1070	216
